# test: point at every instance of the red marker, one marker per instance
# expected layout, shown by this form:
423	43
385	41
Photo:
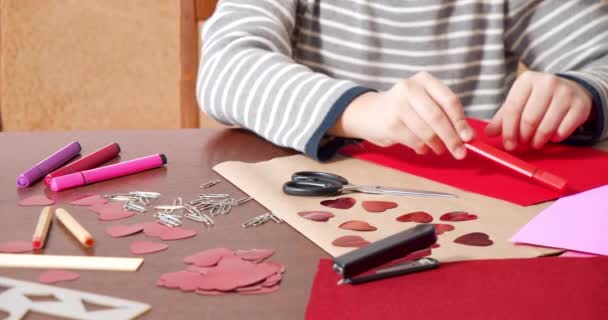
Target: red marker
90	161
539	175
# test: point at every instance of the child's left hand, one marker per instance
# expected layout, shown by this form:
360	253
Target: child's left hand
540	107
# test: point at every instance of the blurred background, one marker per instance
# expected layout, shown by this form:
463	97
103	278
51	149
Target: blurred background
100	64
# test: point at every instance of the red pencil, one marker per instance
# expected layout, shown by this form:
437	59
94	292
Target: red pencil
42	228
538	175
90	161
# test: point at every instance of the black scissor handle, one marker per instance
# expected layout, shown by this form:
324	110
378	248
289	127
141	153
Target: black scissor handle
318	176
311	188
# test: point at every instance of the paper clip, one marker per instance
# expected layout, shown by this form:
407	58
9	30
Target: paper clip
209	184
261	219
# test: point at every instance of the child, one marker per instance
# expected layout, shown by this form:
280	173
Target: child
313	74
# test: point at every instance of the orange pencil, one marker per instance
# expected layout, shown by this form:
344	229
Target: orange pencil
77	230
42	228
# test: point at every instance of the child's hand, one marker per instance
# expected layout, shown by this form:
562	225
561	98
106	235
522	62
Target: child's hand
540	107
420	112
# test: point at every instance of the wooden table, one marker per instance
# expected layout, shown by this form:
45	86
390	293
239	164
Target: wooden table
191	155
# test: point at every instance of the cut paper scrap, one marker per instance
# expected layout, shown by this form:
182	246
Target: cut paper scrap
417	216
457	216
577	223
37	200
89	200
477	239
115	215
16	247
120	230
319	216
357	225
471	290
57	276
350	242
578	165
226	271
339	203
146	247
378	206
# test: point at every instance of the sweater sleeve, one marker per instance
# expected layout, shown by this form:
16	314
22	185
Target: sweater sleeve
247	77
569	39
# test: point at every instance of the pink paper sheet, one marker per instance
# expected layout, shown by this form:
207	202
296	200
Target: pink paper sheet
577	223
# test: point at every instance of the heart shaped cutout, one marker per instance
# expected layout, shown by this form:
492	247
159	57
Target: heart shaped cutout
119	230
177	233
417	216
441	228
37	200
16	247
108	207
89	200
115	215
145	247
56	276
350	242
357	225
457	216
154	229
477	239
319	216
208	258
339	203
378	206
255	255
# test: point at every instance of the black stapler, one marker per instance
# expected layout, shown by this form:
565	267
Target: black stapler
361	260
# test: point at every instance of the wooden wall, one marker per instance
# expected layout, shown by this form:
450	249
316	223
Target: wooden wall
95	64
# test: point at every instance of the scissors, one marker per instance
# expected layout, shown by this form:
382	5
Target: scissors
315	183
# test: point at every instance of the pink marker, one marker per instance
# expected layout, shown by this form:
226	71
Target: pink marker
121	169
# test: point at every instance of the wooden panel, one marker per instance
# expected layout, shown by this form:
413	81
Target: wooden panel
205	8
189	111
90	64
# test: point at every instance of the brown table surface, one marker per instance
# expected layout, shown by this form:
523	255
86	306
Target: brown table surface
191	155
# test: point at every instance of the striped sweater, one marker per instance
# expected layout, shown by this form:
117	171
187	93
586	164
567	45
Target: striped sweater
286	69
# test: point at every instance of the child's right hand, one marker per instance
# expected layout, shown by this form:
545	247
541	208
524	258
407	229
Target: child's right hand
420	112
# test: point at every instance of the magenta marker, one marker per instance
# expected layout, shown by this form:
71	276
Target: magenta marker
120	169
49	164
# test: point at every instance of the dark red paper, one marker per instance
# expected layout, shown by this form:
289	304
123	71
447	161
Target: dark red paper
523	289
581	166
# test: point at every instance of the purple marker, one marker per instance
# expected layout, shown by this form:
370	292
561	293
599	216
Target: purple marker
49	164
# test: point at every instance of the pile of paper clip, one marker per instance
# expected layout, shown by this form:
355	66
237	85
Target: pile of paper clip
135	201
261	219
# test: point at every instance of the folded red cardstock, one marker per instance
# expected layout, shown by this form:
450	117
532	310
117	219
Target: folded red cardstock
538	288
582	167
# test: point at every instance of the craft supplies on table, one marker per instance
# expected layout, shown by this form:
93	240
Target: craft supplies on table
42	228
44	167
45	261
470	226
87	162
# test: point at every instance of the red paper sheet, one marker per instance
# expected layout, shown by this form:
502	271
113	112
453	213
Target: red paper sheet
583	167
522	289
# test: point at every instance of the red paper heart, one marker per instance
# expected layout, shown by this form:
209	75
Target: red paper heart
457	216
273	280
177	233
184	280
108	207
16	246
144	247
210	292
56	276
37	200
197	269
208	258
417	216
478	239
255	255
357	225
435	246
154	229
339	203
89	200
119	230
378	206
115	215
350	242
254	287
441	228
320	216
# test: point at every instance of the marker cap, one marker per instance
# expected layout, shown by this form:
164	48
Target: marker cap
66	182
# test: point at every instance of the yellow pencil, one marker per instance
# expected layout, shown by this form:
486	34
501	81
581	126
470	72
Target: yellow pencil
42	228
77	230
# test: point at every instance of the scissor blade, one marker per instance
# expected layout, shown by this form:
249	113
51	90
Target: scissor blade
403	192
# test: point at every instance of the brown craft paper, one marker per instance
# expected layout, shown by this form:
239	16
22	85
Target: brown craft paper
499	219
